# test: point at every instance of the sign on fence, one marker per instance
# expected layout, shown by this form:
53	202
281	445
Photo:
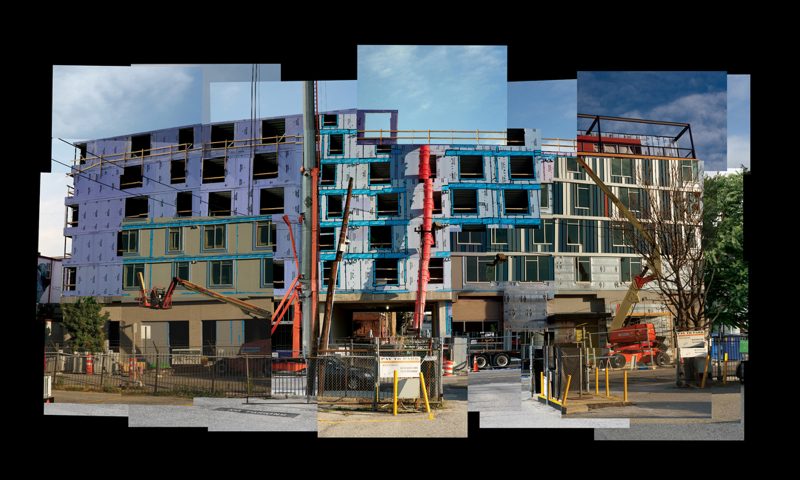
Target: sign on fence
692	343
407	367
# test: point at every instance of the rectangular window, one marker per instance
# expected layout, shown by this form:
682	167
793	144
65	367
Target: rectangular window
219	204
140	145
327	267
499	236
336	144
622	170
81	152
271	201
436	270
128	242
575	169
222	135
175	242
185	138
335	206
465	201
130	275
542	234
214	237
214	170
573	232
618	237
266	272
131	177
386	271
380	173
629	268
544	195
688	171
470	167
277	275
521	166
582	197
388	203
273	130
583	269
380	237
327	238
265	234
630	197
432	162
220	273
330	120
382	149
136	207
482	269
472	235
182	270
328	176
516	202
265	165
177	171
515	137
532	269
437	202
70	278
74	211
183	201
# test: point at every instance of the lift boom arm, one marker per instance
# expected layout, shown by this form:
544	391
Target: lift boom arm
246	307
632	296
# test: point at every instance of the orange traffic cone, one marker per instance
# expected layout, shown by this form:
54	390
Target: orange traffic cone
475	363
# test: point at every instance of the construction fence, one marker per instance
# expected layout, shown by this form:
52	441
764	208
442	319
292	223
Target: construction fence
342	375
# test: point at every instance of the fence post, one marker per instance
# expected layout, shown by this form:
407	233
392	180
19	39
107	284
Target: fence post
55	367
247	374
102	370
214	375
158	368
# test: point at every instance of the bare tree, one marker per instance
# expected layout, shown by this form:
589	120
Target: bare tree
671	211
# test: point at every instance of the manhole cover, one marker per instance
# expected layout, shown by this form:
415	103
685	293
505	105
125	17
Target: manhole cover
258	412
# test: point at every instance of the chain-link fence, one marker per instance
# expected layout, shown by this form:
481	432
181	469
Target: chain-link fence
178	374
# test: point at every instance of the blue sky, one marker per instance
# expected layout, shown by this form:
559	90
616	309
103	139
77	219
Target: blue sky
738	121
436	87
699	98
550	106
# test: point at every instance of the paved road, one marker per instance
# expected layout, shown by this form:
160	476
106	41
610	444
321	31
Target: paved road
494	390
449	421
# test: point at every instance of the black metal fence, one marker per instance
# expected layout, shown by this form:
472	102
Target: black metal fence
178	374
734	349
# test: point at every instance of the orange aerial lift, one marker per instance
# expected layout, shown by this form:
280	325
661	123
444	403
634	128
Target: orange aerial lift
161	298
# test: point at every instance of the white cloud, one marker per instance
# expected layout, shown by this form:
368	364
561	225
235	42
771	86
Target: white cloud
739	151
53	189
707	114
90	99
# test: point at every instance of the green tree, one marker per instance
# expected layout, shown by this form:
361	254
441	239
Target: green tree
85	324
726	273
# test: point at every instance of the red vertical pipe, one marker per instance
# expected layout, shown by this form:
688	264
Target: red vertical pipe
427	235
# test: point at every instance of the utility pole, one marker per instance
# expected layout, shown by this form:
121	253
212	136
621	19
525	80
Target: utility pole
326	322
307	196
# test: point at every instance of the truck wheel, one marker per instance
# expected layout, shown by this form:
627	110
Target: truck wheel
662	359
618	360
482	362
501	360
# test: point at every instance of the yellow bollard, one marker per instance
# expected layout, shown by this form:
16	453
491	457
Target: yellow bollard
566	391
625	388
725	369
705	372
395	393
425	395
608	391
541	383
596	380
